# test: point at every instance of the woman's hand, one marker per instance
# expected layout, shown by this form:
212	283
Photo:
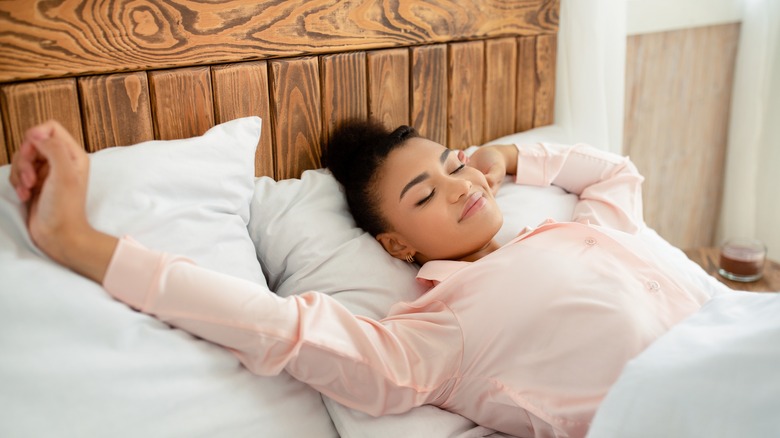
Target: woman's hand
50	173
495	161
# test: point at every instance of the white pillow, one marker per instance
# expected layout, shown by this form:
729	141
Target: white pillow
78	363
307	240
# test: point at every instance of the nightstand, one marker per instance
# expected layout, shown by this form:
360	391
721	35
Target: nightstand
708	258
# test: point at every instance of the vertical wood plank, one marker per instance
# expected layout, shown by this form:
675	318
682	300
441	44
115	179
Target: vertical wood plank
295	89
466	98
526	83
28	104
182	102
544	97
117	110
344	92
388	78
5	152
429	91
500	87
678	90
241	90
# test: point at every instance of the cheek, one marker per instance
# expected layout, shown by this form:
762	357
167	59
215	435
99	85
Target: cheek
431	225
430	232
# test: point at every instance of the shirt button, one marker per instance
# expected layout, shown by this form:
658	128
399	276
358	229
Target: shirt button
653	285
590	241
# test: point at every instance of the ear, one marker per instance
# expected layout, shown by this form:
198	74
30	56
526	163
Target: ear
395	245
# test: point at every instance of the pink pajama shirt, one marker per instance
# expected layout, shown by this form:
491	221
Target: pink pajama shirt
526	341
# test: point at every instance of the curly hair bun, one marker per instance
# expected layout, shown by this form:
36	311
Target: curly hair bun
354	153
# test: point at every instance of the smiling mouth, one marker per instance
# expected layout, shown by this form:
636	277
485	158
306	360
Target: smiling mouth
475	203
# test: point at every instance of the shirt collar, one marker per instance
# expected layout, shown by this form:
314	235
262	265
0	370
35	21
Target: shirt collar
434	272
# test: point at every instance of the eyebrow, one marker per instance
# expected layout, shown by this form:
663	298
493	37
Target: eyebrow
423	176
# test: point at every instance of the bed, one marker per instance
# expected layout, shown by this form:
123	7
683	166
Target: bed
225	105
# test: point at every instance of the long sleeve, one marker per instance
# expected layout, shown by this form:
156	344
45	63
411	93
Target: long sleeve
608	185
378	368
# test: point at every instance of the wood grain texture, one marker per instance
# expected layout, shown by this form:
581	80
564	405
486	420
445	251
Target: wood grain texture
678	92
116	110
182	102
295	88
526	83
388	96
500	87
28	104
544	95
241	90
4	157
432	64
466	98
344	89
43	38
429	91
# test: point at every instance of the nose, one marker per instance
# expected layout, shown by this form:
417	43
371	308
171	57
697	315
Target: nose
457	188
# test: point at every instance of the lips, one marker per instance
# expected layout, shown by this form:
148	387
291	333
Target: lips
474	203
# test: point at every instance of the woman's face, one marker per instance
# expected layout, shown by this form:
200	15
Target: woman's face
437	208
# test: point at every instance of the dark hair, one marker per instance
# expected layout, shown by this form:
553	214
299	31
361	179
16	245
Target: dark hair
354	153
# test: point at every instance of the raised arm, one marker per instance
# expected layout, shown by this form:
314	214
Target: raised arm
49	172
375	367
608	185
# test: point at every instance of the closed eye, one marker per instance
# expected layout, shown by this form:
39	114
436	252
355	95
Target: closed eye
458	169
424	200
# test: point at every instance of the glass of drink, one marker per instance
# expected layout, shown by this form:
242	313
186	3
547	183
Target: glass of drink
742	259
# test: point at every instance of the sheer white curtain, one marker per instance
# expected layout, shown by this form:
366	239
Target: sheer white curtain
751	201
590	75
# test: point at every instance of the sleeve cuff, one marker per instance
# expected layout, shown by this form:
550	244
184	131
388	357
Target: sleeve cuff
132	271
531	165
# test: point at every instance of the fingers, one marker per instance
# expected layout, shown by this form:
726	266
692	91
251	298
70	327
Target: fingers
53	141
47	143
23	175
462	157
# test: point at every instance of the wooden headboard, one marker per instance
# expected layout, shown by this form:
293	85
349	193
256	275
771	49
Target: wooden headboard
117	72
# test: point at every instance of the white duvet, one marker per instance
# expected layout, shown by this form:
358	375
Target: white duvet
713	375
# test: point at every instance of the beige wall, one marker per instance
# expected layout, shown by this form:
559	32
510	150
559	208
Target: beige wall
677	100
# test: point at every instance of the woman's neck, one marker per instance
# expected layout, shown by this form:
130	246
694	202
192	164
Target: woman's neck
482	252
470	257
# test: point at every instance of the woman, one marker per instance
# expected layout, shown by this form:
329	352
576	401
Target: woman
524	338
